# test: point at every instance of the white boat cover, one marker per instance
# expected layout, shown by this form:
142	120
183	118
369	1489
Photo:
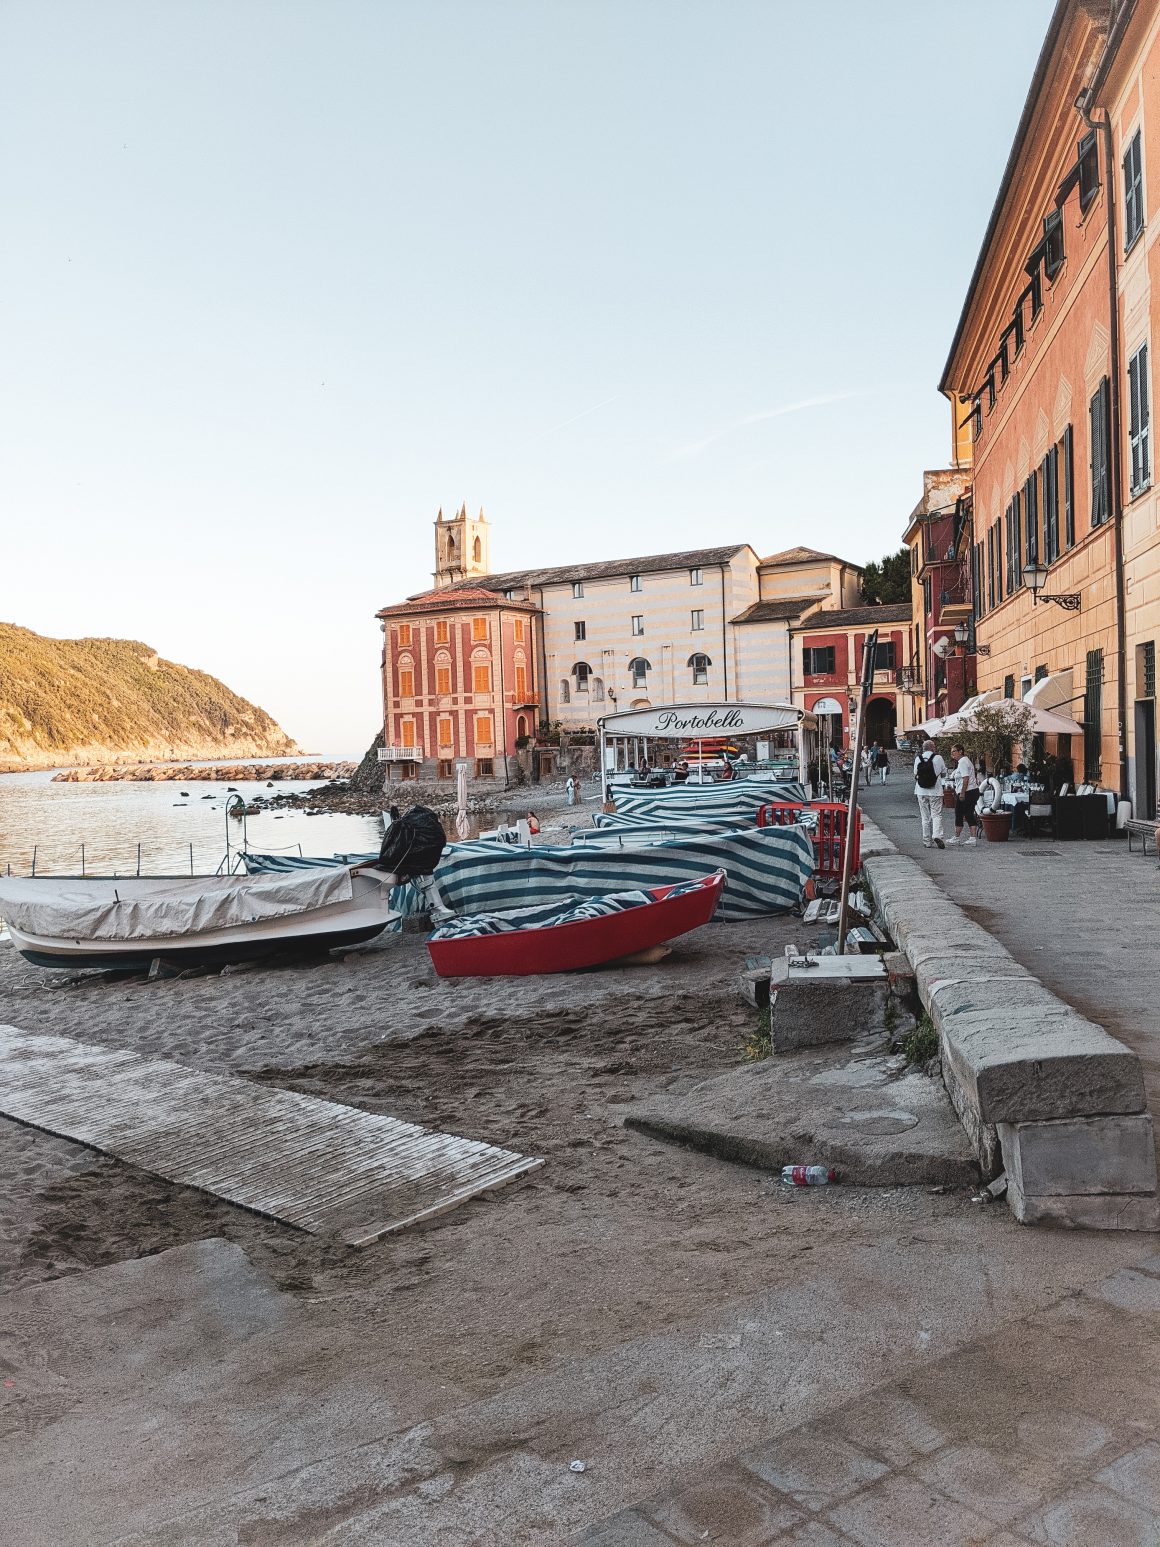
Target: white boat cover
149	908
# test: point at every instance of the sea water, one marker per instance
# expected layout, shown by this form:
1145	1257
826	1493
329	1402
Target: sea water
124	826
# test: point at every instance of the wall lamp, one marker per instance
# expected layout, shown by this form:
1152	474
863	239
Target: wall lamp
1035	578
963	634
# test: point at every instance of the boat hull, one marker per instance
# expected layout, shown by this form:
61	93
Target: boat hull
311	932
581	945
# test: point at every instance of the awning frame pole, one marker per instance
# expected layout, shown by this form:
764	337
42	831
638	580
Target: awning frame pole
869	652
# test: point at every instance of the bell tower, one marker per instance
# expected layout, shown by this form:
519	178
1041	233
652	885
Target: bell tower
462	547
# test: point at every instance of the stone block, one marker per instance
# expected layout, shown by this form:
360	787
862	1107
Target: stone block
1086	1211
1086	1155
1025	1065
835	999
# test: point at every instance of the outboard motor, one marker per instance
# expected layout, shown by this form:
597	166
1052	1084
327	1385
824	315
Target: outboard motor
413	844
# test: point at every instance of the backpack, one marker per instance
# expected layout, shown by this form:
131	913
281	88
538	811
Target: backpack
924	774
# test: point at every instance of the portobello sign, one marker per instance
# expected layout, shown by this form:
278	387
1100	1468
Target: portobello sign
685	722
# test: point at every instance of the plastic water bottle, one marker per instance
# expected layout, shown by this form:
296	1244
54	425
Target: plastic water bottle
807	1176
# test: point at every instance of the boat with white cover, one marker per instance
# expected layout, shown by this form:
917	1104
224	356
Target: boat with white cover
125	922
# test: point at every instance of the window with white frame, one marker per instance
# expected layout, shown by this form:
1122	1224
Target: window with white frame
577	590
698	617
638	623
638	670
581	671
699	665
695	577
634	582
1138	420
1133	190
581	630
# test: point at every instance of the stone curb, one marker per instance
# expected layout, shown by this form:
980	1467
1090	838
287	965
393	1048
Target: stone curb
1041	1091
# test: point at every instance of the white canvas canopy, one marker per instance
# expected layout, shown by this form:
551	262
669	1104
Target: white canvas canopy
711	722
1043	721
148	908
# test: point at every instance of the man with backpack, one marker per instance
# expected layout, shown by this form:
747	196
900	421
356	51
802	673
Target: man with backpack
929	769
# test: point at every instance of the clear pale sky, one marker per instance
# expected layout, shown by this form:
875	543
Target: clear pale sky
280	279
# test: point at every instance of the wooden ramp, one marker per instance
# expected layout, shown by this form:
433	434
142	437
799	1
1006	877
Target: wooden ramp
322	1167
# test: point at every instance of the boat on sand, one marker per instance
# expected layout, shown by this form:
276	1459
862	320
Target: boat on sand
126	922
598	931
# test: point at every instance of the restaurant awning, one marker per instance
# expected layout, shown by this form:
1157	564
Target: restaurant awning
1043	721
1055	691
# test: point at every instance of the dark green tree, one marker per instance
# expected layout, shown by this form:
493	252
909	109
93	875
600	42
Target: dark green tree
887	581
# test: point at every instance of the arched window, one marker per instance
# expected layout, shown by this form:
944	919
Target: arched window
581	671
597	690
521	725
639	669
700	665
565	691
477	550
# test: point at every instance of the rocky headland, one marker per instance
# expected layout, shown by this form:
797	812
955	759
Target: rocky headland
116	701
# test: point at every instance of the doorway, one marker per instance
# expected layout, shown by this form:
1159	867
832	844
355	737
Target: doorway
1145	758
881	718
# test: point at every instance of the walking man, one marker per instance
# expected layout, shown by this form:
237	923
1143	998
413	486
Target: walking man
883	765
966	796
929	769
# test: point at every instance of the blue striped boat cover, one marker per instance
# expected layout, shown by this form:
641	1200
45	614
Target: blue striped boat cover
644	834
538	918
627	822
766	871
740	798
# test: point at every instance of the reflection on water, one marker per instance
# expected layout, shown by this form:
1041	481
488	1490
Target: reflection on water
174	833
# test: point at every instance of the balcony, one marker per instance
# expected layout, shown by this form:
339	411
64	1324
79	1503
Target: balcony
400	754
909	678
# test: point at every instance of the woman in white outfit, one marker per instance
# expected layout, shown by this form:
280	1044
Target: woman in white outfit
929	770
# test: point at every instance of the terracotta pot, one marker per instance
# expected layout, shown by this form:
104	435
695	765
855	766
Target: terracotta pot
948	798
996	826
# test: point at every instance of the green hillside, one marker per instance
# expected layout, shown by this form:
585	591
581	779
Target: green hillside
102	700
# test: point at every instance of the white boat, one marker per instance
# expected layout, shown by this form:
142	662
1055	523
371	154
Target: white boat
127	922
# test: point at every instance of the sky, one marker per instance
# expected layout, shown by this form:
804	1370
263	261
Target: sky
282	277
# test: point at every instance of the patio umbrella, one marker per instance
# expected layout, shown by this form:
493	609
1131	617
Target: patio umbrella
1042	721
461	822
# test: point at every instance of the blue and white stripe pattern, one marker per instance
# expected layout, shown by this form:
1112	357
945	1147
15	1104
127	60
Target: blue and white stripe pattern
766	869
548	917
740	798
643	834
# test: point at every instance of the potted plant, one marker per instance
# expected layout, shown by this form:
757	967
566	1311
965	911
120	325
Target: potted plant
990	736
996	825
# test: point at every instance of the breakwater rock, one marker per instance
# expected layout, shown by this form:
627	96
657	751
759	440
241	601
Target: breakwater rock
184	773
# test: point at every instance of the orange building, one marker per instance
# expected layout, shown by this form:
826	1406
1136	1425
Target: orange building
827	651
458	669
1052	355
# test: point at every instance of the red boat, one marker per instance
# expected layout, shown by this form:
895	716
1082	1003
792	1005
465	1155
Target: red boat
593	942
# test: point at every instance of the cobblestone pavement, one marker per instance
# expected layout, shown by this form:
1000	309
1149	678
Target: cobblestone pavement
1046	1432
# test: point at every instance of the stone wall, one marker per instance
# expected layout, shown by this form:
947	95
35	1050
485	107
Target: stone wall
1043	1093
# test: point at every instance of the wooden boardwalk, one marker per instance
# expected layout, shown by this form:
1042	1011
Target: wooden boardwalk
322	1167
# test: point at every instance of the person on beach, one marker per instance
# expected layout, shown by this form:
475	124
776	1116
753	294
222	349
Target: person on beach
966	796
929	770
